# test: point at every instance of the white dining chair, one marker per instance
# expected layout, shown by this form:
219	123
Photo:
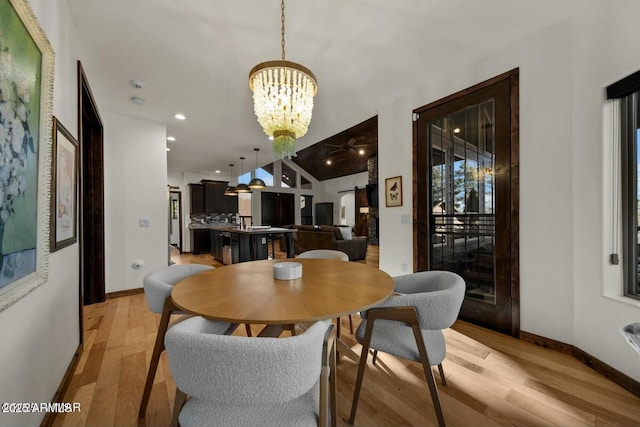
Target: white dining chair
329	254
157	290
241	381
324	254
409	325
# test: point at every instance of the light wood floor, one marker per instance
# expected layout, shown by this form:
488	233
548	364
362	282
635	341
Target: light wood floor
493	379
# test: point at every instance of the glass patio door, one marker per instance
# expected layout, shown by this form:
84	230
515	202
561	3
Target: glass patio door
466	210
462	198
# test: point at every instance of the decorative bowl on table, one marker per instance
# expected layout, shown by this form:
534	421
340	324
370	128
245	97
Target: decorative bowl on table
287	270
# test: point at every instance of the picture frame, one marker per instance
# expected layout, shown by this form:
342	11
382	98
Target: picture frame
393	191
64	187
26	88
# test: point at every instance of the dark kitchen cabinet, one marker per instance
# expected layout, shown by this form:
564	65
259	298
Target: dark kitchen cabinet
196	193
208	198
201	242
214	199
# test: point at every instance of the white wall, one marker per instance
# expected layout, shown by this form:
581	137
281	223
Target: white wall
40	332
605	50
135	185
330	190
563	234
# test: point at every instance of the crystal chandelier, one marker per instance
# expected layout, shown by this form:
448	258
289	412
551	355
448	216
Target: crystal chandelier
283	94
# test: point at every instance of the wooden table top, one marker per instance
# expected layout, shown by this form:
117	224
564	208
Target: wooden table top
248	293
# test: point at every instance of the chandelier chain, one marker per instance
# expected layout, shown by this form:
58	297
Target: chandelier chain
282	28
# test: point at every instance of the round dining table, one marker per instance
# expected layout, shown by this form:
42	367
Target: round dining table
248	292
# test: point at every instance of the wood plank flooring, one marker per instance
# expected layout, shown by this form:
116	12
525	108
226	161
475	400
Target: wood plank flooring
493	379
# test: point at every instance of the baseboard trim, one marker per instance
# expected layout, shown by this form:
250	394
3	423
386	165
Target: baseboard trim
125	293
597	365
58	397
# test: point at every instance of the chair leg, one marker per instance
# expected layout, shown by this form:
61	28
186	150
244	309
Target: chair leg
248	329
181	398
333	386
351	324
442	378
338	328
158	348
363	362
428	373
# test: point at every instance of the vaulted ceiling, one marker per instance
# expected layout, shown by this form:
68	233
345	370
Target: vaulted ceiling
342	154
194	56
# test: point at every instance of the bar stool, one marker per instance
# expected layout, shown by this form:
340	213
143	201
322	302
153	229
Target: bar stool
271	239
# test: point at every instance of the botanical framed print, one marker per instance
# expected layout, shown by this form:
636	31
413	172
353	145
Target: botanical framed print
26	101
393	191
64	187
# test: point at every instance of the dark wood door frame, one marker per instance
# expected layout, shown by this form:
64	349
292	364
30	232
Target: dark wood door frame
91	234
510	173
179	193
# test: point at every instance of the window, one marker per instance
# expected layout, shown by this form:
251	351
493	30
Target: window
305	184
245	178
289	176
627	91
265	173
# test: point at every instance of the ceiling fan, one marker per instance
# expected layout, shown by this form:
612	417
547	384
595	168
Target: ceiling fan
349	146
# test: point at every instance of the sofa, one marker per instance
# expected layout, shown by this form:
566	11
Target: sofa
309	237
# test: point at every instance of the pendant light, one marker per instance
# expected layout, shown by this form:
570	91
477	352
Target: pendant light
230	190
256	183
242	188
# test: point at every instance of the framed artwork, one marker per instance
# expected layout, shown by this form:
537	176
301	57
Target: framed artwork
26	105
64	187
393	191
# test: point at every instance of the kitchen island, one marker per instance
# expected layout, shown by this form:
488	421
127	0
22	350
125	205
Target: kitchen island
230	244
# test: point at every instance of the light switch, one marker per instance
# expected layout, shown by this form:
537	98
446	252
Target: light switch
405	219
143	223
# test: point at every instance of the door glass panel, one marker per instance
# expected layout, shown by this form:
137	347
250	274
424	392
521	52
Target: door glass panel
462	198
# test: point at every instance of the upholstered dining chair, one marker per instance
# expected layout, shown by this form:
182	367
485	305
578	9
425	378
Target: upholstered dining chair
329	254
324	254
157	290
242	381
409	325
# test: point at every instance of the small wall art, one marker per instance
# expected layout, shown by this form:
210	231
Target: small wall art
393	191
64	186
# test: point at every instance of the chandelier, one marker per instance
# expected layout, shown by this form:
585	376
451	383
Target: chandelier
283	94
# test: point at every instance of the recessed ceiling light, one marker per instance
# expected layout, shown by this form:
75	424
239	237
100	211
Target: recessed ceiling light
217	171
136	84
361	151
328	162
137	100
271	138
170	138
456	130
180	116
168	149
